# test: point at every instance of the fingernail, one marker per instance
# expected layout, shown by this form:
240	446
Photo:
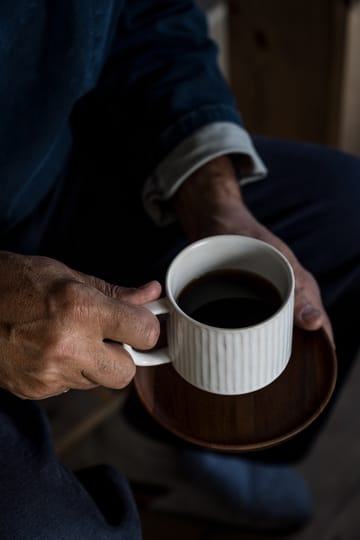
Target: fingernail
310	313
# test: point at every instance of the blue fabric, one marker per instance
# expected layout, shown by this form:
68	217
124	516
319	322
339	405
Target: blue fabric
43	500
311	197
155	74
259	494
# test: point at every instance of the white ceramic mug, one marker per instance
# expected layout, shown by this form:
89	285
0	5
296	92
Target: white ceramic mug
221	360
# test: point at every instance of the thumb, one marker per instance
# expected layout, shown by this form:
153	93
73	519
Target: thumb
309	310
133	295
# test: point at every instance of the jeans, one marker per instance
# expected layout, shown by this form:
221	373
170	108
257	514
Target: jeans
96	224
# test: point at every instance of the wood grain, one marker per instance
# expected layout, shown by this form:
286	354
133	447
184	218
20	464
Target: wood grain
294	69
250	421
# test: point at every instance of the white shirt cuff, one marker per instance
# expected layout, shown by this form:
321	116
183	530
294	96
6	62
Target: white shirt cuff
205	144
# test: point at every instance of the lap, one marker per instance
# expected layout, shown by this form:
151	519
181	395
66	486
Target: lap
44	498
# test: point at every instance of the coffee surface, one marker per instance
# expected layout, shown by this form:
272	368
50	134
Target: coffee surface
230	299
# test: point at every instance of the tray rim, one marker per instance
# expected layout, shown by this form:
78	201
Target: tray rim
261	445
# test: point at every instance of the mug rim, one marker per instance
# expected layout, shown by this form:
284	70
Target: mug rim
195	245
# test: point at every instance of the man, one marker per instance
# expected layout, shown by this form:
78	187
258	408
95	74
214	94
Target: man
120	141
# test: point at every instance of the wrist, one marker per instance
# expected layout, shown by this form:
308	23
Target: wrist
210	193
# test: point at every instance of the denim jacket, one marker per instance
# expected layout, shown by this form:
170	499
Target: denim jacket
136	77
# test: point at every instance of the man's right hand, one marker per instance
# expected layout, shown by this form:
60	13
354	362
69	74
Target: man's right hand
61	329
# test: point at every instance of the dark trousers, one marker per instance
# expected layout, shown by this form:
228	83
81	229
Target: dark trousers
94	223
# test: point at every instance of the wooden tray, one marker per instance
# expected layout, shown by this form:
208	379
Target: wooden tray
250	421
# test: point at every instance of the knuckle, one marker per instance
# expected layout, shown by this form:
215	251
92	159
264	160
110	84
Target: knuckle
126	370
70	288
105	365
115	372
128	373
68	296
114	291
150	333
142	326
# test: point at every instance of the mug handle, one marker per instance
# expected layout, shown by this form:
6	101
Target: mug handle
154	357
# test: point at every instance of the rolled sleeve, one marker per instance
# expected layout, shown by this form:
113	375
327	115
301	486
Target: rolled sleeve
205	144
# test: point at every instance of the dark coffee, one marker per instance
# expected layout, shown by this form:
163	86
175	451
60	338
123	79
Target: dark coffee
230	299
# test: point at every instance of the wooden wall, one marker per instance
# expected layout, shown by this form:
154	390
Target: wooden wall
295	70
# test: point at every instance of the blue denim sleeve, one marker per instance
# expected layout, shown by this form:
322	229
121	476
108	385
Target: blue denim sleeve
161	80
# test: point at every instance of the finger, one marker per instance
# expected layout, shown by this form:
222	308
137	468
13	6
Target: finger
309	311
112	368
313	318
128	323
308	315
141	295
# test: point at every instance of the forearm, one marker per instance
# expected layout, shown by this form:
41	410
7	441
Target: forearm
207	200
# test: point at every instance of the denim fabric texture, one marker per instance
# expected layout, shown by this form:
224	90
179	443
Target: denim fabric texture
153	67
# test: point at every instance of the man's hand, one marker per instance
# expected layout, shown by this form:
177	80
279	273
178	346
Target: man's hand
209	203
61	329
